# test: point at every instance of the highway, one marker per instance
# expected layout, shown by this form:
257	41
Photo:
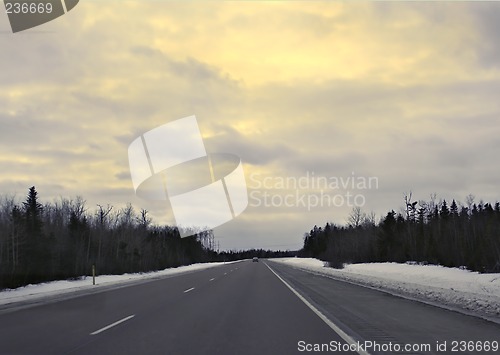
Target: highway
240	308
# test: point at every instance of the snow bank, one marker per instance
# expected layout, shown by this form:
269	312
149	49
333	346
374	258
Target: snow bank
461	290
53	288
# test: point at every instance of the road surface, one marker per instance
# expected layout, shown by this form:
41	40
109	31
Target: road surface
241	308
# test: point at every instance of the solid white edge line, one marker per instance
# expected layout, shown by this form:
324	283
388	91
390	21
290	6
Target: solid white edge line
112	325
189	289
332	325
396	294
64	6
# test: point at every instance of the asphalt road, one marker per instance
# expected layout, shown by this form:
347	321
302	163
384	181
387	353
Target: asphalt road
241	308
373	316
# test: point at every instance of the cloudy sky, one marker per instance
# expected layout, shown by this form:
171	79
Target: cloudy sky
406	93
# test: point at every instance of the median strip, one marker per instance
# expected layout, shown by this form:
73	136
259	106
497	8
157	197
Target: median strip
112	325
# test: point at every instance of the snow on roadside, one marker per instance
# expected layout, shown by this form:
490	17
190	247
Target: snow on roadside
452	288
53	288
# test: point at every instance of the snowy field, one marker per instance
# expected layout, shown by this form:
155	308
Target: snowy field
58	288
461	290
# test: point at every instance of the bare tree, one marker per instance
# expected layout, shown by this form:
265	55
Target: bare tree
410	207
77	207
127	216
102	216
356	217
369	219
144	220
469	201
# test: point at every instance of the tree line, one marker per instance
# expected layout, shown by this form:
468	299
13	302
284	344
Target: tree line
450	234
62	240
260	253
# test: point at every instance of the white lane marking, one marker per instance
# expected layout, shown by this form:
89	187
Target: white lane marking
332	325
213	278
189	289
112	325
64	6
225	273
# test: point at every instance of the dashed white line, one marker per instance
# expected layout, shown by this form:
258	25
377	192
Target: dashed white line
225	273
112	325
213	278
189	289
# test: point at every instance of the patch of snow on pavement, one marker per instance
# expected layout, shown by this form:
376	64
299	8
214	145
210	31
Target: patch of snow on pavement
466	291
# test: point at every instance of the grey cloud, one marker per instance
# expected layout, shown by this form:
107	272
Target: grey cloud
45	59
124	175
47	190
24	128
253	149
487	21
365	99
179	88
30	135
445	149
190	68
326	164
434	12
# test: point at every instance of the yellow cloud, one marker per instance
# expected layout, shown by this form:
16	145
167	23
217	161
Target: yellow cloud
283	42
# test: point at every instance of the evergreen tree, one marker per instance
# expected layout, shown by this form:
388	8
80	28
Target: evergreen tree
444	212
33	213
454	208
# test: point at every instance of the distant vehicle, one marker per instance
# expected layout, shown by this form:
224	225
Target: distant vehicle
255	259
